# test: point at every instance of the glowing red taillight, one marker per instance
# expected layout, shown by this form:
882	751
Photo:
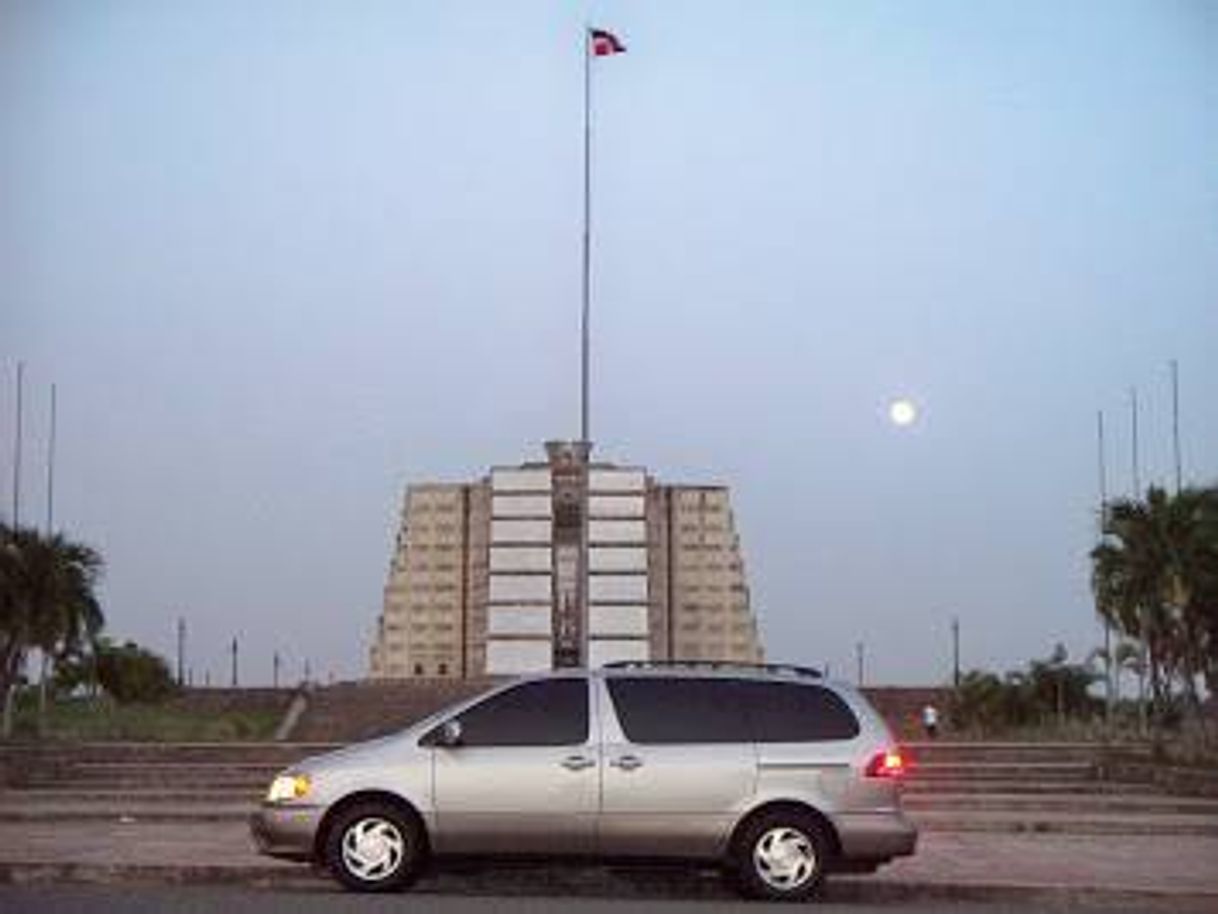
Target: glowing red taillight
887	764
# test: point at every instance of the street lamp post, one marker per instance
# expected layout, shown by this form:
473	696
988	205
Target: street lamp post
956	652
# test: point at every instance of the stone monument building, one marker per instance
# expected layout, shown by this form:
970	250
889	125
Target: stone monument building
558	563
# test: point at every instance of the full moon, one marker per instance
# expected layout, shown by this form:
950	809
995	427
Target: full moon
902	412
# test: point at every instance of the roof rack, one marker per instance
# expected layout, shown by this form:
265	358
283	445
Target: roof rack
788	668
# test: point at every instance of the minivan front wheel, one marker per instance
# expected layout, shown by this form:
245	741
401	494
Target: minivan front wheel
781	855
373	847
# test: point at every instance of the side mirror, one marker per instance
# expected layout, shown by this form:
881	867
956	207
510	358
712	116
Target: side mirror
450	734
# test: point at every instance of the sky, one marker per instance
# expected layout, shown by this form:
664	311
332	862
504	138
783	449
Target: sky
283	259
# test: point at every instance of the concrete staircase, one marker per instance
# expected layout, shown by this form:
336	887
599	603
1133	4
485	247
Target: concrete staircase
353	711
952	786
1042	787
143	781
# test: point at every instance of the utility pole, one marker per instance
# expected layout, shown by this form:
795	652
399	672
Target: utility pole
1135	465
181	651
17	450
858	656
234	649
51	469
10	695
1109	672
1137	494
1175	423
956	651
275	670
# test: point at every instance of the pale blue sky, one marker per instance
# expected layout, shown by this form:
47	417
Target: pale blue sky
283	258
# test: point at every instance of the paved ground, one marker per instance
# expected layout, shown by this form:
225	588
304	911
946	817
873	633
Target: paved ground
1176	872
195	900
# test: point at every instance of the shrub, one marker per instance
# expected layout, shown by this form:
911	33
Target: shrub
130	673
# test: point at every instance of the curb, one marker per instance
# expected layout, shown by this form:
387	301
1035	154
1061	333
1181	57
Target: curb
927	820
595	882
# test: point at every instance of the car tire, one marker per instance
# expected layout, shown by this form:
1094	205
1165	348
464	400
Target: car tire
375	847
780	855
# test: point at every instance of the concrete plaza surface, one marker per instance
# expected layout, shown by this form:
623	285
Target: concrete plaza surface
1162	872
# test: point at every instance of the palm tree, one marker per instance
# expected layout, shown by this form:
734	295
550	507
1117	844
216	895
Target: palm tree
47	601
1156	580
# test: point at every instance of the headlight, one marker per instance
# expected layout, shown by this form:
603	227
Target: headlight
288	787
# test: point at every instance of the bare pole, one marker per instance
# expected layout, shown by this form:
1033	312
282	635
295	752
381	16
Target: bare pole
1135	466
1103	468
181	651
17	450
51	468
1137	494
584	431
1175	422
1109	691
956	651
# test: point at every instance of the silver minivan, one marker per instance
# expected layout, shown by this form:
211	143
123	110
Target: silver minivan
771	770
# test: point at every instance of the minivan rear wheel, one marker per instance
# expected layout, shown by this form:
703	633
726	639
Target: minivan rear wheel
373	847
780	855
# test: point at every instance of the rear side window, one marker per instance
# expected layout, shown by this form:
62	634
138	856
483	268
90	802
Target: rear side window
783	712
548	713
658	710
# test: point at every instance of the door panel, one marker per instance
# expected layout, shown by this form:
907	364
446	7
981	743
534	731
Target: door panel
516	799
526	778
662	798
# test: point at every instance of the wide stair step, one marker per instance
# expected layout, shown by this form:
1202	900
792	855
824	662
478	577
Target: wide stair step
961	752
125	810
117	752
1001	771
1151	804
162	774
1065	823
1029	787
51	796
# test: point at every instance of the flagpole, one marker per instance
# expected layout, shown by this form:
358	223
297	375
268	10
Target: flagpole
584	589
587	252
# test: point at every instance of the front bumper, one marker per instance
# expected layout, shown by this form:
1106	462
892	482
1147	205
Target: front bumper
875	836
286	831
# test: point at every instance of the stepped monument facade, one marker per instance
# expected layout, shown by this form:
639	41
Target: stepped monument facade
558	563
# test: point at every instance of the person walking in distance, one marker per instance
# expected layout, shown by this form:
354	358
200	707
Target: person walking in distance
930	721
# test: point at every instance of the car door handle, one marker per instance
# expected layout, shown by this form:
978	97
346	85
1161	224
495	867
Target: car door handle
627	762
577	762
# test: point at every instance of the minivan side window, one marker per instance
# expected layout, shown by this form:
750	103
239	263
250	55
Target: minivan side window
782	712
657	710
551	712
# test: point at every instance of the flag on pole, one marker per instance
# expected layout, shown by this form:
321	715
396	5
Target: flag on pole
604	43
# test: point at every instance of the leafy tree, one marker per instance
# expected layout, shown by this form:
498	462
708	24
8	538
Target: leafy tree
129	673
979	701
1049	688
1155	576
47	600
